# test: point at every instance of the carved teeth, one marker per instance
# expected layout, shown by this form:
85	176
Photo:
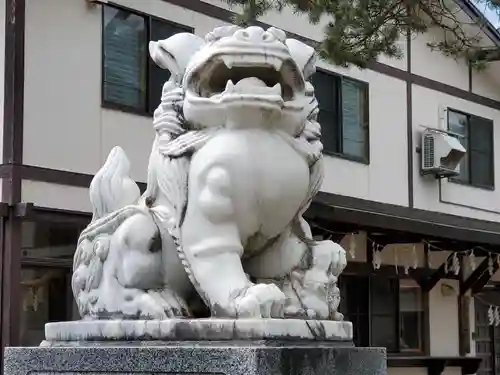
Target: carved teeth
228	61
231	61
277	64
229	86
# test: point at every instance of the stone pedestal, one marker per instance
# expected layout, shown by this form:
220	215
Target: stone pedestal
234	358
267	347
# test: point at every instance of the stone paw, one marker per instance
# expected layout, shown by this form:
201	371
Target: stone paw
152	304
335	253
261	301
149	307
172	305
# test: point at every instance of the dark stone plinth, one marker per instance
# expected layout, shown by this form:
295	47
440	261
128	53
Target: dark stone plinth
228	358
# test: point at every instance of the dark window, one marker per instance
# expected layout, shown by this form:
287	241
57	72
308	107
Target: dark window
343	115
476	135
385	312
46	263
486	336
131	80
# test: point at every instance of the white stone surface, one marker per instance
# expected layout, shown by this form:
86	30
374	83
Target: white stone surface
199	330
237	124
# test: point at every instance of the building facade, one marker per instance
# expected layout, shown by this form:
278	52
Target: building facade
422	251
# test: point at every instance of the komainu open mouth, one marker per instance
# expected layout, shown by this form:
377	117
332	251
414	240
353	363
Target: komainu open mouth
226	76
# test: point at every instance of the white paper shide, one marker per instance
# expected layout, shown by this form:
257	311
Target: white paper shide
235	163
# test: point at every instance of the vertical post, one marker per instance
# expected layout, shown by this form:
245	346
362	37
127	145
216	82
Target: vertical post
426	330
463	314
11	280
10	251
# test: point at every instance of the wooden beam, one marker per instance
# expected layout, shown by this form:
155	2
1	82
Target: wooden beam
484	278
467	284
478	279
464	334
437	275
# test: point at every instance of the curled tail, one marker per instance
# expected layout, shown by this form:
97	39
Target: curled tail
112	195
112	188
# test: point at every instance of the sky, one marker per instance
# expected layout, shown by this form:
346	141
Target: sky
491	15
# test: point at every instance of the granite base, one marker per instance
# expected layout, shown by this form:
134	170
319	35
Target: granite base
200	357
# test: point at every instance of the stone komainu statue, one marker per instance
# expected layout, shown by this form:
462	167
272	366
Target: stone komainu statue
235	162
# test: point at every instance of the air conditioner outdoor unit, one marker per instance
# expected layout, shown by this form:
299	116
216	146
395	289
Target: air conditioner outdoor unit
441	153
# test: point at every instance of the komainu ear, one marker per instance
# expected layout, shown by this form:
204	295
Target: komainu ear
304	56
175	52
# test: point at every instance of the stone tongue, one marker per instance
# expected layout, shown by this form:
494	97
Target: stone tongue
250	82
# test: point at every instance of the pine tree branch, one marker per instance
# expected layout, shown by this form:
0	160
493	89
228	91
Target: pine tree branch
359	31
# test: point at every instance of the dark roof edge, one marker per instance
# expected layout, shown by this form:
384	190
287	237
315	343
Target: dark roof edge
472	11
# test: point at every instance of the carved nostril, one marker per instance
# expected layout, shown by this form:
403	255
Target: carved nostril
268	37
242	35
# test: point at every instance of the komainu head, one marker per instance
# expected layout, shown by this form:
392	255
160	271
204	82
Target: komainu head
245	77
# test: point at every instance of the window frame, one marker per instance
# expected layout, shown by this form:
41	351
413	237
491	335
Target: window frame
470	182
148	21
425	333
339	78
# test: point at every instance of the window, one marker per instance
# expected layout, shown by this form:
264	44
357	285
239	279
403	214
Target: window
46	263
131	80
486	336
343	115
411	316
385	312
476	135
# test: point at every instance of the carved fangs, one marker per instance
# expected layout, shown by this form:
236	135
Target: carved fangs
223	75
230	61
252	85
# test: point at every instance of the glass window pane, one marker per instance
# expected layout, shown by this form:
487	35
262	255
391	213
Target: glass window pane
361	330
329	131
383	296
384	332
160	30
354	123
354	295
481	151
458	123
411	315
325	89
125	53
46	294
50	241
45	297
481	168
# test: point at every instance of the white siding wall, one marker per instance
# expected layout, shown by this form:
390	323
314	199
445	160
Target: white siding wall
426	108
62	99
66	128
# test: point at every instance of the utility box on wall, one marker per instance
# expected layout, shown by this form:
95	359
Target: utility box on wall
441	153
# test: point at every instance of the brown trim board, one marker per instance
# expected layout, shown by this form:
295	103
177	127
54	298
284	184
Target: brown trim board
227	16
336	208
12	143
54	176
409	122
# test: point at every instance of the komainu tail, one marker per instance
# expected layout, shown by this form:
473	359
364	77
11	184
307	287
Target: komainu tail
112	188
113	195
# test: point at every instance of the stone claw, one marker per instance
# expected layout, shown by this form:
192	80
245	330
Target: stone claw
332	253
261	301
147	307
